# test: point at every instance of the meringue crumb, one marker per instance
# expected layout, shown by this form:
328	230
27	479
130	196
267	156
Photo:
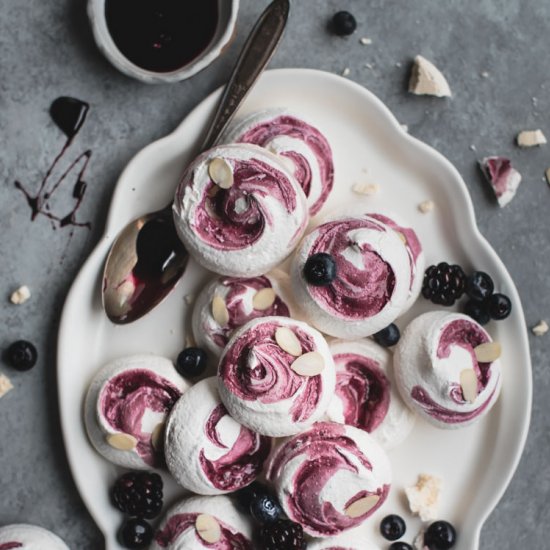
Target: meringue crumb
473	148
366	188
398	64
484	74
424	496
369	65
547	174
346	71
427	79
426	206
21	295
540	329
5	385
365	41
419	541
405	127
531	138
189	299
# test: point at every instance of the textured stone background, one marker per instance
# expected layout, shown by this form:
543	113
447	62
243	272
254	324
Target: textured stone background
46	50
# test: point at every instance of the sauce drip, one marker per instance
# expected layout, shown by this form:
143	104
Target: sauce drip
161	35
69	114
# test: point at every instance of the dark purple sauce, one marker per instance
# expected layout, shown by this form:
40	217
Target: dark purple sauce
69	114
161	35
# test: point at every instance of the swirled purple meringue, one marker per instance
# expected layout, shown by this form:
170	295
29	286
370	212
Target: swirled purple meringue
242	463
363	389
10	545
325	448
127	396
238	316
271	379
355	293
179	523
287	125
467	335
235	218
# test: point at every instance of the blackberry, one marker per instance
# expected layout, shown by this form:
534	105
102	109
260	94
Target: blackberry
444	283
282	534
138	494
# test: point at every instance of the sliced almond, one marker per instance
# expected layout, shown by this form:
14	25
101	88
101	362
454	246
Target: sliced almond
490	351
221	173
288	341
468	383
208	528
122	442
402	237
219	311
157	436
264	299
362	506
309	364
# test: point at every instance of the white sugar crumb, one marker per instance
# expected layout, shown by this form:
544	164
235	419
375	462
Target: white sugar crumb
398	64
366	188
369	65
5	385
540	329
473	148
531	138
405	127
427	79
346	71
189	299
426	206
21	295
365	41
424	496
484	74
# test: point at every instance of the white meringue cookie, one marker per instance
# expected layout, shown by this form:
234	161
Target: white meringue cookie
178	531
29	537
304	146
372	284
366	395
238	294
430	359
207	451
131	396
330	478
258	383
251	224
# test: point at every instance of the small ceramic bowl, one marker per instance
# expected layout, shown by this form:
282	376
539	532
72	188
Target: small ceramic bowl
225	32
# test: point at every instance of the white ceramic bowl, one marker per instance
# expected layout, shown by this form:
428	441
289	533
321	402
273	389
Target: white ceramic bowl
224	34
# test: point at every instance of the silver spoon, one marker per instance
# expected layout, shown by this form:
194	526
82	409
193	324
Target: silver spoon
147	258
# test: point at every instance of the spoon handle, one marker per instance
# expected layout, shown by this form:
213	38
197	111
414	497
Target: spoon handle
257	51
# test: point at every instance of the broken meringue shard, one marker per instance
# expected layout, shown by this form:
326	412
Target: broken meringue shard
531	138
502	176
427	79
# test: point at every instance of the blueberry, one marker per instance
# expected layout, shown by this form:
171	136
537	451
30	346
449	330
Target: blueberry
21	355
320	269
191	362
246	495
440	535
499	306
477	311
135	533
400	546
388	336
343	23
479	286
393	527
264	508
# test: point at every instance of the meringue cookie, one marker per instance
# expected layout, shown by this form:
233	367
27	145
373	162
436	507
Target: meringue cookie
239	295
206	450
258	382
127	401
178	530
366	396
249	221
29	537
289	136
414	250
431	358
373	279
330	478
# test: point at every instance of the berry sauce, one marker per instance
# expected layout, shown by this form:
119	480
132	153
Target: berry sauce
69	114
164	35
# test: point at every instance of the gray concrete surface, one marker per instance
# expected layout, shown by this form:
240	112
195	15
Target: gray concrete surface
46	50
